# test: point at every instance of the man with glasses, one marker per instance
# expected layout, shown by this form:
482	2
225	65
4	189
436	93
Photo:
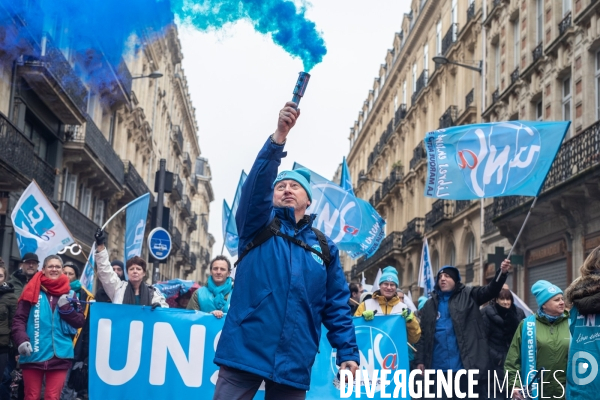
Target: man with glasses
27	268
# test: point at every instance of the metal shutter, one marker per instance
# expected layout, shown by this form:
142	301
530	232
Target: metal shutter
554	272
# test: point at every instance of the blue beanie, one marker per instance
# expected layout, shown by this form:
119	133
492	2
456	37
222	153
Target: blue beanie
422	301
300	175
544	291
389	274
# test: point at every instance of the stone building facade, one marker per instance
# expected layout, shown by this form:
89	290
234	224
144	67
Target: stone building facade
94	147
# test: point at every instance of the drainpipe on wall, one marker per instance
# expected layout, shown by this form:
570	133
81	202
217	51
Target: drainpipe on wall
483	73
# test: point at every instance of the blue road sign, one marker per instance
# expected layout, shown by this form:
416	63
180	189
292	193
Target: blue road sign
159	243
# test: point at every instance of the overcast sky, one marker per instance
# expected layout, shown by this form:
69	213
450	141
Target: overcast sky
239	80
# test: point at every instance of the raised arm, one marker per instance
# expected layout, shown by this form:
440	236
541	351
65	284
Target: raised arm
483	294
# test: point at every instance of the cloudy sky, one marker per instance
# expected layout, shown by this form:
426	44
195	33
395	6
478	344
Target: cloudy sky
239	80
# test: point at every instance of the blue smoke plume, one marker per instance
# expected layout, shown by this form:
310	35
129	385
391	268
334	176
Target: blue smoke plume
98	29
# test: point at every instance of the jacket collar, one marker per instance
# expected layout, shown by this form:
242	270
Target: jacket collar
287	216
382	300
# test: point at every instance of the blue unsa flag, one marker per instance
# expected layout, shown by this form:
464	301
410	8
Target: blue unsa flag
230	232
350	222
490	160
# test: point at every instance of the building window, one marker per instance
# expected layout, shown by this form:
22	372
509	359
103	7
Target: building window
566	7
86	201
438	38
451	255
454	11
414	77
566	102
404	92
435	262
40	144
426	56
396	101
497	65
471	250
70	191
598	85
539	111
517	40
539	11
111	127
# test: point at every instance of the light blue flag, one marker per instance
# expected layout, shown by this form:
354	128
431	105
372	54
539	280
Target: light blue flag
231	240
87	276
135	216
489	160
231	233
350	222
426	280
174	287
346	180
225	218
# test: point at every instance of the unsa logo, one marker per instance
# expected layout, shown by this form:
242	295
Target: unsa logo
495	159
316	257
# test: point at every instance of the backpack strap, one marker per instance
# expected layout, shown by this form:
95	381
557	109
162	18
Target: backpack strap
324	246
267	233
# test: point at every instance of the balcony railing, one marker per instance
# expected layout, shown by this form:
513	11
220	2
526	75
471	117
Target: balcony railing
420	85
441	210
419	153
176	236
449	117
177	191
399	115
469	98
18	153
471	11
187	164
79	225
134	181
449	38
564	24
495	96
461	205
185	251
186	206
538	52
388	244
177	137
413	231
391	181
514	76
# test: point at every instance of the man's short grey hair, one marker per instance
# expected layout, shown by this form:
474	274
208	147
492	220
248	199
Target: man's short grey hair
52	257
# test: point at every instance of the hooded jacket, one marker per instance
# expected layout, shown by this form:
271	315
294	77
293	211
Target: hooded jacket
584	295
19	280
283	293
467	324
413	330
500	324
552	351
8	309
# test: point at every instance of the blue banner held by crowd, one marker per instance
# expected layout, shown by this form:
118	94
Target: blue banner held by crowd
489	160
136	215
139	353
351	222
174	287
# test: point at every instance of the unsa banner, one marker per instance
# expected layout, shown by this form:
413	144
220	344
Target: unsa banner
136	352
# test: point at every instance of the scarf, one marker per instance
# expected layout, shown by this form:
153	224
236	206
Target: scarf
550	318
54	287
76	285
529	354
219	292
145	297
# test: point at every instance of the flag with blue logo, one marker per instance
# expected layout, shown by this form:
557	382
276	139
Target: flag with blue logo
87	276
231	240
346	180
426	279
489	160
38	227
135	226
230	232
350	222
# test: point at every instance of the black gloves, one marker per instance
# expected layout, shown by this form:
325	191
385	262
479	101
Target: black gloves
100	237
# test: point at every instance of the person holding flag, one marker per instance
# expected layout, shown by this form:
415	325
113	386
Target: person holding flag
134	291
289	282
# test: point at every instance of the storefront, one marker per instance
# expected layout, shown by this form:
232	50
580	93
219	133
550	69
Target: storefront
548	262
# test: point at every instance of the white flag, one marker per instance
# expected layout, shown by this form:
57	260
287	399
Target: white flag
38	227
521	304
426	280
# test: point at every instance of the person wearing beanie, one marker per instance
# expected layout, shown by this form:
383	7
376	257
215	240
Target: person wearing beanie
451	322
584	297
385	301
549	327
288	284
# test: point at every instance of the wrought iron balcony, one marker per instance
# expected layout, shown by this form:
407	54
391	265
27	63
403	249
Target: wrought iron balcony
461	205
79	225
18	154
441	210
471	11
387	134
177	137
53	79
413	231
391	242
134	181
495	96
185	251
514	76
470	97
177	191
192	221
187	164
399	115
538	52
449	38
564	24
420	85
391	181
419	153
176	236
449	117
186	206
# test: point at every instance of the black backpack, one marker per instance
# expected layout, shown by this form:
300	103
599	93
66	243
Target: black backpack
274	229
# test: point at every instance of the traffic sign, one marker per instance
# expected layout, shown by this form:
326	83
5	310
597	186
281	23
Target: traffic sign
159	243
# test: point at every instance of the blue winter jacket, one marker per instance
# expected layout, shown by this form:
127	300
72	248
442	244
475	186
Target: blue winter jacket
446	355
282	292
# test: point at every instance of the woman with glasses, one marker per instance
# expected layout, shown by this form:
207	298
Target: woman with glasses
43	328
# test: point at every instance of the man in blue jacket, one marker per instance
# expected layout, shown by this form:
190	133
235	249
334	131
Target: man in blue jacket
283	290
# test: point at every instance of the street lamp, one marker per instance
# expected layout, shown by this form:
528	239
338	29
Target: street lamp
153	75
365	178
441	60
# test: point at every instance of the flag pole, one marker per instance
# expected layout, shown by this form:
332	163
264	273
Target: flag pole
520	232
223	247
